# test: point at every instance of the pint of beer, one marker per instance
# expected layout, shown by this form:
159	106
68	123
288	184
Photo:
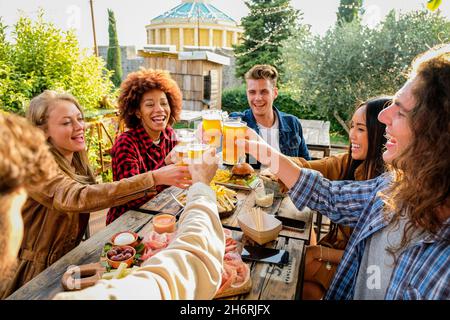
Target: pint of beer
181	152
212	126
185	136
195	150
233	131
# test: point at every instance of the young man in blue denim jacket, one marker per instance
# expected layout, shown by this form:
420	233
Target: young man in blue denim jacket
280	130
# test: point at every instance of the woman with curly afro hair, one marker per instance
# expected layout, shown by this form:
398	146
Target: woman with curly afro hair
149	103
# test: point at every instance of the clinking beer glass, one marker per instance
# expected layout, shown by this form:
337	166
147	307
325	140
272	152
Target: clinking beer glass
212	126
195	151
181	152
234	130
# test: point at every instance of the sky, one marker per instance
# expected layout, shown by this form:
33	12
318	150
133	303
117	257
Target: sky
133	15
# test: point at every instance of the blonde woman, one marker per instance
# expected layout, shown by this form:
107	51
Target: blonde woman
57	213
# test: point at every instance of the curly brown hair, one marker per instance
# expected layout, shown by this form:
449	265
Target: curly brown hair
422	181
137	84
25	159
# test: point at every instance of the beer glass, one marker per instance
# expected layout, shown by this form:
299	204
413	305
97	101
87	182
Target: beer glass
233	130
181	152
185	136
212	126
195	151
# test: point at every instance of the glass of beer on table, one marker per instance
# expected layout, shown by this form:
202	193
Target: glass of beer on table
233	131
212	126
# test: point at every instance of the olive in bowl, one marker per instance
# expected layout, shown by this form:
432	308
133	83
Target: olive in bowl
116	255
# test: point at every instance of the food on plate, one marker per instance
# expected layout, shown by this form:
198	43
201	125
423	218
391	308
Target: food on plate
244	177
155	242
116	255
242	169
235	273
271	180
222	176
226	198
121	272
125	238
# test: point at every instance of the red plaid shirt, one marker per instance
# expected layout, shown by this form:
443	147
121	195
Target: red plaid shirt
133	153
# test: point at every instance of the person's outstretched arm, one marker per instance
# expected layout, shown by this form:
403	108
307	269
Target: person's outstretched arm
341	201
190	267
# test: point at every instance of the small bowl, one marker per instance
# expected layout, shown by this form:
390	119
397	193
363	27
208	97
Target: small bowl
116	263
164	222
133	243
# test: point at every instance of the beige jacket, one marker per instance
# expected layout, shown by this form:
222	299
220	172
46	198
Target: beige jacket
189	268
56	215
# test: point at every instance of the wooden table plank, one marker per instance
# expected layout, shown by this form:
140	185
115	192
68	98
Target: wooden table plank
268	282
288	209
272	282
48	282
283	206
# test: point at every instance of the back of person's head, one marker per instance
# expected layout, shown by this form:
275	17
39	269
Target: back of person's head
137	84
422	183
373	165
263	71
25	161
38	113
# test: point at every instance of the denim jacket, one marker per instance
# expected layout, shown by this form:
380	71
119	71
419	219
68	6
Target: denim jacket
291	138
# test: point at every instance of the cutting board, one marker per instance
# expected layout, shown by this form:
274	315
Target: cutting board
244	288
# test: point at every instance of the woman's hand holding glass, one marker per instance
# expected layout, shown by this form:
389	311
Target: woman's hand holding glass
173	175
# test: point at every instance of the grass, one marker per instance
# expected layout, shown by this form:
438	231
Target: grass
338	138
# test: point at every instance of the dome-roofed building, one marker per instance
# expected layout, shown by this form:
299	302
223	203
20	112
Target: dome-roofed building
194	23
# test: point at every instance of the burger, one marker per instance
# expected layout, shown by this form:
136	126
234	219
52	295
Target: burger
242	170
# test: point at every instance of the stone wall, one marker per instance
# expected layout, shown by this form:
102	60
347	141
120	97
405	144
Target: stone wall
130	61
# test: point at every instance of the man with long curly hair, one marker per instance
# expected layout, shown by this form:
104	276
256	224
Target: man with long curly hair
150	103
24	160
400	247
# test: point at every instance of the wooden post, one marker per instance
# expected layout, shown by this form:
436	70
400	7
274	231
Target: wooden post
93	27
100	140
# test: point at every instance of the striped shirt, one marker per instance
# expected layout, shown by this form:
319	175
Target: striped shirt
422	271
134	152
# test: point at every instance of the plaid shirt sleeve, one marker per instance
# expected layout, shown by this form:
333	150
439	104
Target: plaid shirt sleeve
125	164
341	201
125	159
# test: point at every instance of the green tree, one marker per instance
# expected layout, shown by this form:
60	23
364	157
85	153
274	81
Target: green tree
267	25
42	57
349	11
352	63
114	62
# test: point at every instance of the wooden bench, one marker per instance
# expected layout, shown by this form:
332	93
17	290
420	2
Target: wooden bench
317	136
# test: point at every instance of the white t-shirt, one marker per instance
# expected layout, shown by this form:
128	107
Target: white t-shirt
271	135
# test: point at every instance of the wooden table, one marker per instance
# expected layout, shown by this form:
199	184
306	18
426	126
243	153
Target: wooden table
163	202
48	282
269	281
